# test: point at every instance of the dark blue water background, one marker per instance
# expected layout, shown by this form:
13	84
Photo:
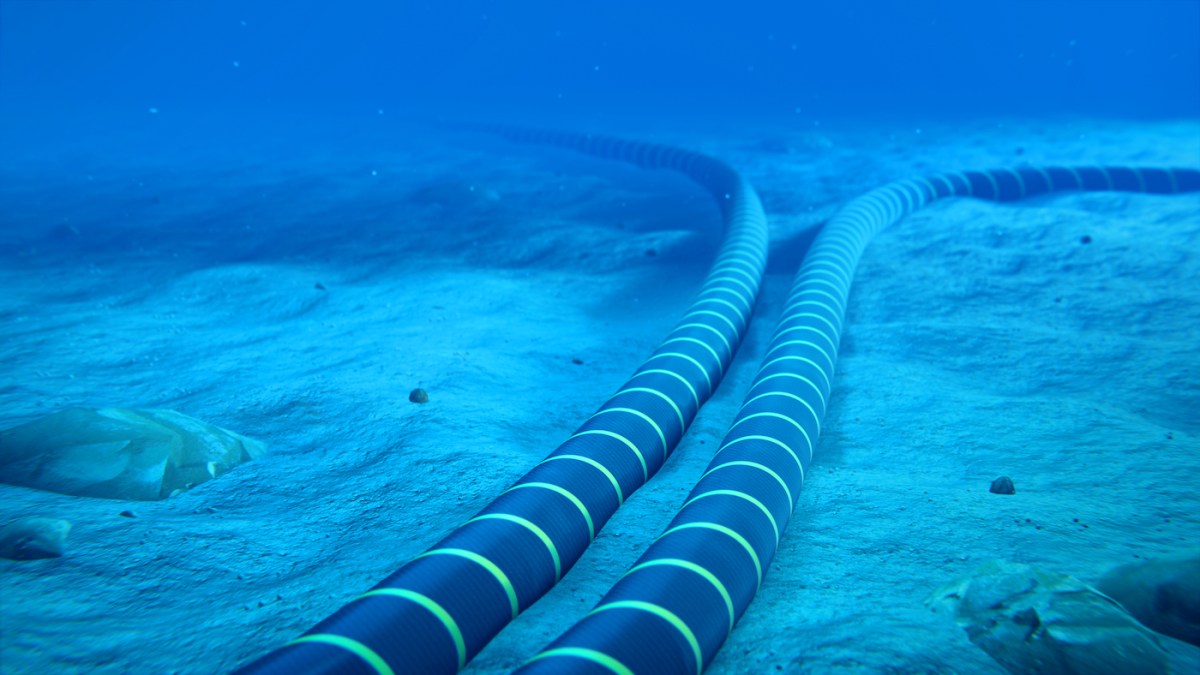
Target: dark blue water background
96	75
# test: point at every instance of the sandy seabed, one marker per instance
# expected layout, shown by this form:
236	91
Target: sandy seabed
299	302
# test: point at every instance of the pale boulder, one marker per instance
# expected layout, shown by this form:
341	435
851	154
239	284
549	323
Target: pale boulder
118	453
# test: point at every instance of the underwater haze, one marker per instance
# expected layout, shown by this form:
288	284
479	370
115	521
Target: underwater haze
633	337
219	71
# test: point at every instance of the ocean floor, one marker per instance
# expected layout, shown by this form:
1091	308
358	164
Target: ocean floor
298	300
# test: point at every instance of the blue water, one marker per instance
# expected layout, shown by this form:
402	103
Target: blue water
256	214
76	72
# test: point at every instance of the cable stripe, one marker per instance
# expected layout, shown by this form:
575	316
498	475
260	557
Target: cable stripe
603	469
595	656
354	647
488	565
583	511
662	613
537	531
628	443
691	566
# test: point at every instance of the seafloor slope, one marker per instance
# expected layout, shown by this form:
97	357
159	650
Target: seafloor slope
298	301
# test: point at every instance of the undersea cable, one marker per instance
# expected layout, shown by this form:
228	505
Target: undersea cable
441	608
671	612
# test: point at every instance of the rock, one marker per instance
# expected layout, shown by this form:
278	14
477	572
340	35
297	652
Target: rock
1003	486
1164	594
34	538
418	395
1034	621
116	453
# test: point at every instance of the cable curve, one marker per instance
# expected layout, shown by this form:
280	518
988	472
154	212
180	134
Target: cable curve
673	609
440	609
